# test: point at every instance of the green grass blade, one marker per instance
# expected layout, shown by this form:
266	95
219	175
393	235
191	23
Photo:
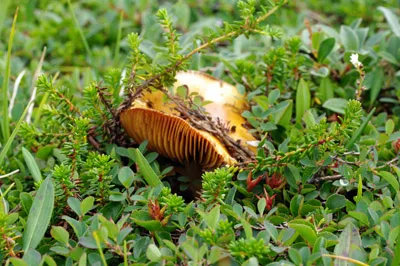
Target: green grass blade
85	43
99	248
39	110
7	146
5	125
39	215
145	169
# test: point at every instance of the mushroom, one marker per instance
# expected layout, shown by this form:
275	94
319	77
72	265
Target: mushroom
152	119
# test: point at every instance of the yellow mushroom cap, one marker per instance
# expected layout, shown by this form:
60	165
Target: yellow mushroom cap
154	119
173	137
227	104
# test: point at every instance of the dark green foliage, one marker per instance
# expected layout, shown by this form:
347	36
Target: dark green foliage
215	185
244	249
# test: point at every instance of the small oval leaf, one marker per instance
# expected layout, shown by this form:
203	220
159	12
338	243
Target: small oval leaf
39	215
325	49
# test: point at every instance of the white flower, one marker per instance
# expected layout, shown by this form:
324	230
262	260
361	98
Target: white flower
354	61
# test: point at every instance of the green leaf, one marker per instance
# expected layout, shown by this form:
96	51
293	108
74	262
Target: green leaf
45	151
305	230
391	179
303	100
359	189
392	20
262	101
48	260
322	72
247	228
60	250
309	119
126	176
349	39
396	258
60	234
284	113
317	39
271	229
273	96
389	127
18	262
292	175
39	215
388	57
32	165
212	217
361	217
75	205
143	219
26	201
182	91
336	105
32	257
83	260
374	82
253	261
295	256
261	204
336	201
145	169
325	49
79	227
296	205
349	243
88	242
397	170
87	205
325	90
153	253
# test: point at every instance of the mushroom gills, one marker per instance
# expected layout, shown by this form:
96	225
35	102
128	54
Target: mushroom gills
173	137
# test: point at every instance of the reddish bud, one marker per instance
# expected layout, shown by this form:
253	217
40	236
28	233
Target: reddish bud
251	183
275	181
155	212
269	200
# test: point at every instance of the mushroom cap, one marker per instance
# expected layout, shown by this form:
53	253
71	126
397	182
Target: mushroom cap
154	119
227	104
173	137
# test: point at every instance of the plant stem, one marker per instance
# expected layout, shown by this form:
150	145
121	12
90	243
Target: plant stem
14	133
346	259
6	126
96	238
